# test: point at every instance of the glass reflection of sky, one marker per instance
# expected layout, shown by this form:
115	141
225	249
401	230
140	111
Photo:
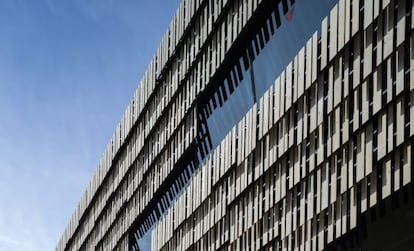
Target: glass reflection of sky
145	241
303	19
223	118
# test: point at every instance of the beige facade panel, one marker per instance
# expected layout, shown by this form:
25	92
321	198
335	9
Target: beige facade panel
328	141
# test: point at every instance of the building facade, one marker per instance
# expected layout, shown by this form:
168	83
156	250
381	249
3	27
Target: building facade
264	125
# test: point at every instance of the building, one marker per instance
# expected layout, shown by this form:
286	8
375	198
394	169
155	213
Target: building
264	125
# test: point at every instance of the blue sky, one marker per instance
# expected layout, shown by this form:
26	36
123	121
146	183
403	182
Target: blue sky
68	68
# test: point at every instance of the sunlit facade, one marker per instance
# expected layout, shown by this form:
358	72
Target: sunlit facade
264	125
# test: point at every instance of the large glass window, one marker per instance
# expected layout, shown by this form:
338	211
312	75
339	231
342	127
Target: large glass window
275	45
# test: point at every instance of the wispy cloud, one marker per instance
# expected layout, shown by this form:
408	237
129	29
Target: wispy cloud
67	71
7	242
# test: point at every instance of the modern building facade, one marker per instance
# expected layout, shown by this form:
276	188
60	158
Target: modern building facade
264	125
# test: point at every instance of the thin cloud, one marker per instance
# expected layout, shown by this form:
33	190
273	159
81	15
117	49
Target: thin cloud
65	80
